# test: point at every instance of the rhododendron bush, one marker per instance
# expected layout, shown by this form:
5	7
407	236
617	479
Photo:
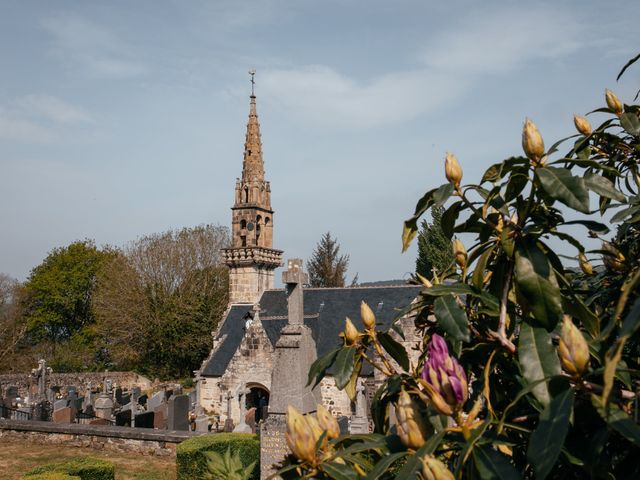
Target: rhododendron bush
529	362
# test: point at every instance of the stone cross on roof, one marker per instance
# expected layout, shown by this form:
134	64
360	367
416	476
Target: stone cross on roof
294	278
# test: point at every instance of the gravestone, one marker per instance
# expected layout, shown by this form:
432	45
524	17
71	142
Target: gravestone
144	420
123	418
294	353
202	423
343	424
228	423
242	426
143	400
42	411
119	396
124	399
155	401
192	399
40	376
360	422
58	404
103	406
89	410
11	394
178	413
64	415
161	412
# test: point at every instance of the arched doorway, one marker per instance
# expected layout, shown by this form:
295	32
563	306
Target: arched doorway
258	397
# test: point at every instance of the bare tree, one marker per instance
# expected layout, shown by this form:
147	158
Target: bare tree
158	301
13	326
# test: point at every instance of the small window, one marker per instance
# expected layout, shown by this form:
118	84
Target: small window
243	224
243	239
246	194
266	220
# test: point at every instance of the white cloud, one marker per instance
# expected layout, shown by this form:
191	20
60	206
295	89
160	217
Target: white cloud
325	96
53	108
93	46
39	118
501	40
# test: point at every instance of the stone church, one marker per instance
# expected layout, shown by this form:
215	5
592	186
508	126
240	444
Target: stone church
242	357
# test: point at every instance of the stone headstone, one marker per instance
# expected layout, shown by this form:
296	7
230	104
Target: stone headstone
192	399
42	411
160	416
178	412
77	403
123	418
360	422
124	399
11	393
143	400
103	406
136	392
64	415
59	404
155	401
202	423
343	424
119	396
243	427
144	420
89	410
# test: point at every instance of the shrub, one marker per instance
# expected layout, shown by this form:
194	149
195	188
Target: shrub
87	468
191	461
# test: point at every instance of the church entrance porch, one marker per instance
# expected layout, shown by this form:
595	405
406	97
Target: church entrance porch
258	398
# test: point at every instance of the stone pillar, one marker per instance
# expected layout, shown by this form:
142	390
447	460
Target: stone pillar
294	353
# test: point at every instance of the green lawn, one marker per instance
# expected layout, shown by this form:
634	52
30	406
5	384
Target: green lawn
18	458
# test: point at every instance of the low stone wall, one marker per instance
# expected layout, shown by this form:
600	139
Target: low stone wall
123	439
79	380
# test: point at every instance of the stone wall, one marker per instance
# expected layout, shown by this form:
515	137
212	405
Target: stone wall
123	439
79	380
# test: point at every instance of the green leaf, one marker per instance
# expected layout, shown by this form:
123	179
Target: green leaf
451	317
591	225
624	213
394	349
414	464
618	420
603	187
537	285
344	365
631	123
478	272
448	219
319	367
547	440
338	471
575	307
632	320
492	465
560	185
538	359
383	465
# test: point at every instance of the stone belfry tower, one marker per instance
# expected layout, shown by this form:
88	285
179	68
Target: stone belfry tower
251	258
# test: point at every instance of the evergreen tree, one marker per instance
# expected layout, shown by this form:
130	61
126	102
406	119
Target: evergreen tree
434	248
327	268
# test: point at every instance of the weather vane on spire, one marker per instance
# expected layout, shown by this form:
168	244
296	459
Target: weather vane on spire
252	72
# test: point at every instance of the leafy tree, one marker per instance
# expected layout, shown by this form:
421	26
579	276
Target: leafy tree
159	299
327	268
60	290
527	367
434	248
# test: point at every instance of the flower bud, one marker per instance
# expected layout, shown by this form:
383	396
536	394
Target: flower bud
444	378
411	428
368	317
452	169
328	422
582	125
460	253
299	436
573	349
585	266
316	430
532	143
613	259
613	102
434	469
350	332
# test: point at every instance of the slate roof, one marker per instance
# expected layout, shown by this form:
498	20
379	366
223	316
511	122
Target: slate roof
324	312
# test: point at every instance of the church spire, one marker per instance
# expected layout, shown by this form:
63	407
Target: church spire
253	165
251	258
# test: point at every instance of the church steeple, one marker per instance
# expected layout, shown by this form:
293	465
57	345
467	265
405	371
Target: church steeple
251	259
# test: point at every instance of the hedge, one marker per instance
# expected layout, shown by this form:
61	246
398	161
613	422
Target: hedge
191	462
87	468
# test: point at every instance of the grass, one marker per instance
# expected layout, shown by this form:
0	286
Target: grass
18	458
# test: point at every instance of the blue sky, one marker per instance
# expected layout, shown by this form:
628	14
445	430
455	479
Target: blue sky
121	118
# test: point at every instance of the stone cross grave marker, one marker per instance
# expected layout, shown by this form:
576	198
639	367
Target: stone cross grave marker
294	353
242	399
